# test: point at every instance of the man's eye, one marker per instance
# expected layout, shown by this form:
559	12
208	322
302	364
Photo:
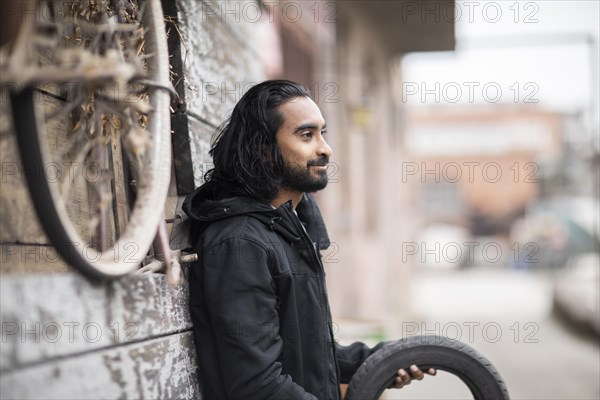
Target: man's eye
306	134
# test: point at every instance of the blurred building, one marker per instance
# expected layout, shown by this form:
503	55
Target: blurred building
365	206
479	167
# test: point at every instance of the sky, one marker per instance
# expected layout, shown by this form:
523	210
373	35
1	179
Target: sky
509	52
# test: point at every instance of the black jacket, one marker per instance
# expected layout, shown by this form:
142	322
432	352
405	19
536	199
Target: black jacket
262	324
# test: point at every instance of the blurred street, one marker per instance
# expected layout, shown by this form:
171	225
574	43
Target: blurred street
507	316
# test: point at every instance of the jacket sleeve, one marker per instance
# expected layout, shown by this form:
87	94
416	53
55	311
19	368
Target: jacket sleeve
351	357
242	310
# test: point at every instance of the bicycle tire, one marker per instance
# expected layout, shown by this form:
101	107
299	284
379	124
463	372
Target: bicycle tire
429	351
133	243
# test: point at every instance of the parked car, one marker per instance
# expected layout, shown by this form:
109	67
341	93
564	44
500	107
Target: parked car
577	290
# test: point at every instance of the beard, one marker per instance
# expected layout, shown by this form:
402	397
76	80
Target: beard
303	179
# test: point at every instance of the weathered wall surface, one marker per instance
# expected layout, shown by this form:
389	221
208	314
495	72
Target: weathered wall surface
63	337
155	369
220	64
23	242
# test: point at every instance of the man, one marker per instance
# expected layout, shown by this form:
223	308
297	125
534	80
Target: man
262	324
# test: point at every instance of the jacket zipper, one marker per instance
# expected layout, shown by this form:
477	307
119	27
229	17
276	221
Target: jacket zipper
325	301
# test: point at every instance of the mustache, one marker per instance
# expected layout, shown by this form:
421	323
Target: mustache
321	162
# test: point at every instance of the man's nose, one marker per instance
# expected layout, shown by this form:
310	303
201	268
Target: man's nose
324	149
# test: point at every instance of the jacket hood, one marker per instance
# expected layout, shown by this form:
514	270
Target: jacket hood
208	204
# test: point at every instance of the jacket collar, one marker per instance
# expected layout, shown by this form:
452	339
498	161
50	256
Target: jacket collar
310	215
202	207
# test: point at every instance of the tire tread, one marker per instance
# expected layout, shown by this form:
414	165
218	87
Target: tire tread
364	387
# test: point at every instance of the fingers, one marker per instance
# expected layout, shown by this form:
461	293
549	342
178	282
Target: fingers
416	372
404	378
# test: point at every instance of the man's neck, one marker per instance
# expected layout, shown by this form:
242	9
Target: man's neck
286	195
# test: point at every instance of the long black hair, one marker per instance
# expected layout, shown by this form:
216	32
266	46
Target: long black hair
247	160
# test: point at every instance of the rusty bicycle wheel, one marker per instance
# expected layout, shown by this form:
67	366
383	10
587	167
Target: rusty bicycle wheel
91	115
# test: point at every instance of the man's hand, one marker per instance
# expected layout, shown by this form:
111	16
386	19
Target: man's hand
403	378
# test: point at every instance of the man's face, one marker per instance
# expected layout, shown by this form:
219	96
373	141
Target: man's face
303	147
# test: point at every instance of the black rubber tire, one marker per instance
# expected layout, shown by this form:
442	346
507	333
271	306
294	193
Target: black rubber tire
428	351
